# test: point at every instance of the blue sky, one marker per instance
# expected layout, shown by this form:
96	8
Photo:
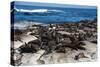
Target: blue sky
54	5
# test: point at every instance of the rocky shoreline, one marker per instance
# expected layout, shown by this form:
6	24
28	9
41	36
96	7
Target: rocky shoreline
54	43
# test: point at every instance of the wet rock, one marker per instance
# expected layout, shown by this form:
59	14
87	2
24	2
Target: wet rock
69	42
29	48
80	55
60	49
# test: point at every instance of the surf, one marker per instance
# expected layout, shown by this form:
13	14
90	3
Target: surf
37	10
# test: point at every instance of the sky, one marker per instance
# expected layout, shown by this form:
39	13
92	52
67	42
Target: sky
54	5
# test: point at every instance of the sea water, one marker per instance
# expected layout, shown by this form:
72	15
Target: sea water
48	14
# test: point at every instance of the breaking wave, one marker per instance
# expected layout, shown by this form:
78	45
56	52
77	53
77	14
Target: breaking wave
37	10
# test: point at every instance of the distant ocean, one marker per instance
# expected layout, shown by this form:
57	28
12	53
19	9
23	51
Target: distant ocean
46	14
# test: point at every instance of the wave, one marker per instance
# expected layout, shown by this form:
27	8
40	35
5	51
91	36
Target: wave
37	10
25	24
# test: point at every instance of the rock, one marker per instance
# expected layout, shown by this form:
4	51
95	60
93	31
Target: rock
40	61
32	58
29	48
17	59
80	55
70	42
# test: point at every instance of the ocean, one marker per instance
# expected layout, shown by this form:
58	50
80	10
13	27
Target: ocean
47	14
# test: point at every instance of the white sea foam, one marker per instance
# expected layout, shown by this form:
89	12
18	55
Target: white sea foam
38	10
25	24
35	10
56	10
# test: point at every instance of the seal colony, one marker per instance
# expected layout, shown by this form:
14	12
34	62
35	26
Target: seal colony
54	43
